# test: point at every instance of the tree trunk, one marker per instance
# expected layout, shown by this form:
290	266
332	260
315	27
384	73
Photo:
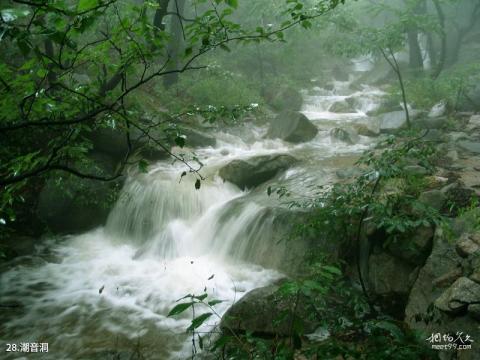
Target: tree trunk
176	43
160	14
415	52
443	40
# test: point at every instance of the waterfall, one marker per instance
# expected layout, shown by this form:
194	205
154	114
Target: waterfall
111	288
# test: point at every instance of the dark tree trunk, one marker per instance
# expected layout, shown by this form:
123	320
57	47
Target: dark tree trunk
176	43
160	14
438	68
415	52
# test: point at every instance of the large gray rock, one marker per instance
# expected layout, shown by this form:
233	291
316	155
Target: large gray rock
342	107
413	248
433	198
470	146
252	172
396	120
264	311
389	276
473	122
293	127
390	280
370	128
456	299
346	135
438	110
442	269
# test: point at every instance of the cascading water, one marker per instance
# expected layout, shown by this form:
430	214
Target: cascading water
107	292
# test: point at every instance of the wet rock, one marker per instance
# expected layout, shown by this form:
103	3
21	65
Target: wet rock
413	248
452	155
254	171
441	269
467	245
386	106
431	123
390	280
470	146
473	122
396	120
346	135
371	128
459	296
341	107
454	136
438	110
264	311
293	127
433	198
474	311
435	135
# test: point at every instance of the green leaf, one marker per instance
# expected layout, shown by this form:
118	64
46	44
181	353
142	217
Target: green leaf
180	141
198	321
85	5
201	297
179	308
332	269
143	166
214	302
232	3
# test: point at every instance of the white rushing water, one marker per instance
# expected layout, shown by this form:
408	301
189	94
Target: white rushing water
108	291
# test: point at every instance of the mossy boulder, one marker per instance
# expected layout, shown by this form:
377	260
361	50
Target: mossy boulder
249	173
293	127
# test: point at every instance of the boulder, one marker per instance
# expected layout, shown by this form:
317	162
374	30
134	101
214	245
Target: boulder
457	298
438	110
264	311
389	275
293	127
386	106
467	245
442	269
254	171
390	280
341	107
346	135
413	248
433	198
473	122
370	128
470	146
394	121
431	122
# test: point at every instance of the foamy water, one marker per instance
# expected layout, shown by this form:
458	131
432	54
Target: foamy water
108	291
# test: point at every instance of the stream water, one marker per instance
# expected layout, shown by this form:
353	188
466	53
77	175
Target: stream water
108	291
